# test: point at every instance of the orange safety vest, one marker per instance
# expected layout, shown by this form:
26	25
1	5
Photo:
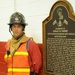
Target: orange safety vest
18	63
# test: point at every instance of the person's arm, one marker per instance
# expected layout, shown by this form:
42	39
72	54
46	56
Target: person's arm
35	56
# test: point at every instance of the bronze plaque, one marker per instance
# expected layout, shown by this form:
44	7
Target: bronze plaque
59	40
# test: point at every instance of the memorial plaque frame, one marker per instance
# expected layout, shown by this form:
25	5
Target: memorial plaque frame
71	15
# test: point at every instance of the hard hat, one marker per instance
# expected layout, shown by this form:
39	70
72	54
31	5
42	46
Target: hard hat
17	18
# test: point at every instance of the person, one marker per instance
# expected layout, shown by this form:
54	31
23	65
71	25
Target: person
23	56
61	20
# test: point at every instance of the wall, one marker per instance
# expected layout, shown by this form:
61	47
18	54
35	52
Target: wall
35	12
2	62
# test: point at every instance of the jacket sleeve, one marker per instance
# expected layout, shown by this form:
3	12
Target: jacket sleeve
36	56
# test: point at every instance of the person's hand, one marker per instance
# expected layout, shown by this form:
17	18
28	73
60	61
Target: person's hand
33	73
36	73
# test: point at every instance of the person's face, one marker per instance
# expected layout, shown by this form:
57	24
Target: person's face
59	13
17	30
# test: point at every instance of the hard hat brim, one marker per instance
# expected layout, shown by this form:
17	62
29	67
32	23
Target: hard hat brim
18	23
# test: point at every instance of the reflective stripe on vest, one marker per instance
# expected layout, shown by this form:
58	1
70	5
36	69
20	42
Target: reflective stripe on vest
18	63
18	70
17	53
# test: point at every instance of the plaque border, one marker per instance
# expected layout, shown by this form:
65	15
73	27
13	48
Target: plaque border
71	15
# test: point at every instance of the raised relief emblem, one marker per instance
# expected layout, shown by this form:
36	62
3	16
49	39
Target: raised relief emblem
61	19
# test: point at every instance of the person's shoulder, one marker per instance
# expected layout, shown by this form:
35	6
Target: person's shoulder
32	42
8	43
9	40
